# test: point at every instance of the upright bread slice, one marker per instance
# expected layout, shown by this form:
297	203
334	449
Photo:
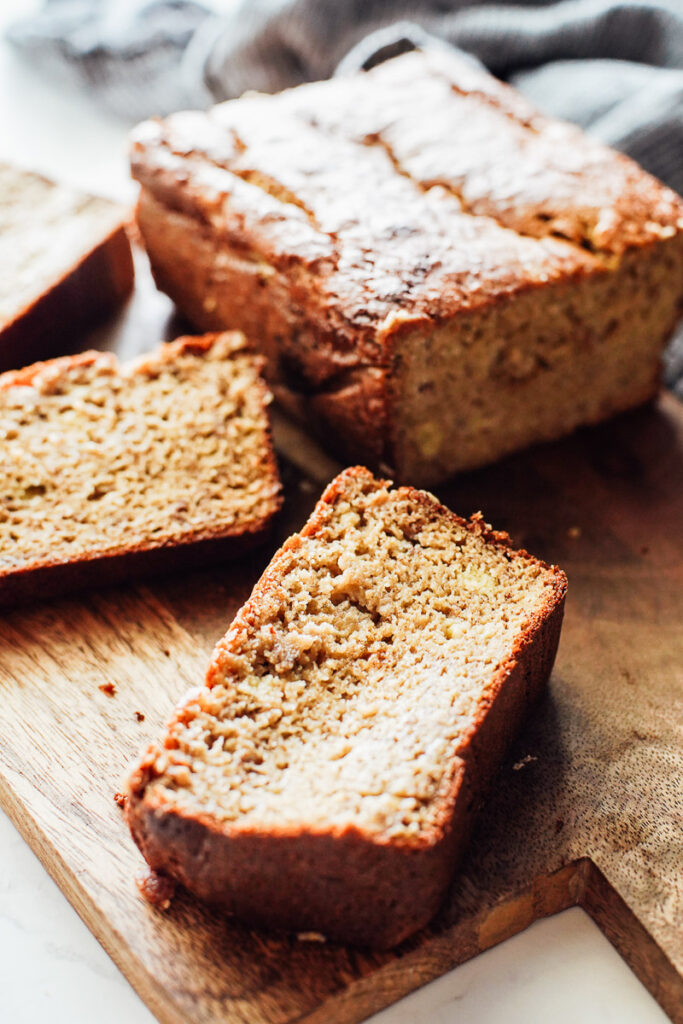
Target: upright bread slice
66	264
437	273
326	775
108	472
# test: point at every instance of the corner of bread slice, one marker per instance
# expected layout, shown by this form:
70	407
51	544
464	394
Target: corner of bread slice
326	775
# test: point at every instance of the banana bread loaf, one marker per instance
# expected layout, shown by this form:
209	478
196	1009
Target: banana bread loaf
66	264
437	273
109	472
326	775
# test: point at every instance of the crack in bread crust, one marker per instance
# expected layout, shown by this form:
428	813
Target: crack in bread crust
334	234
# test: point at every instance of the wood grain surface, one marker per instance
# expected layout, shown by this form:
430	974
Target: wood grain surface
588	808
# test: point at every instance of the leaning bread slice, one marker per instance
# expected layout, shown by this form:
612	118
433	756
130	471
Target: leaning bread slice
325	776
112	471
66	262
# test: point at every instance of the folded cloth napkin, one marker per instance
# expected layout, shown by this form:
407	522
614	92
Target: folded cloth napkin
615	67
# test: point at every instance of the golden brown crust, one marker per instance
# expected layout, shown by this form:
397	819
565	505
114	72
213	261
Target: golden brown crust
351	413
293	180
25	376
487	145
122	562
168	352
354	886
417	251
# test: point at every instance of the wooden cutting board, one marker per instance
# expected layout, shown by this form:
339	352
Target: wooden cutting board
588	809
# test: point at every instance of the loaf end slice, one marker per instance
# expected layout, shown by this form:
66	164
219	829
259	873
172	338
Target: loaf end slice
326	775
71	265
111	472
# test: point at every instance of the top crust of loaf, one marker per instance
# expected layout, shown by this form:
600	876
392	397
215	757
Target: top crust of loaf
403	195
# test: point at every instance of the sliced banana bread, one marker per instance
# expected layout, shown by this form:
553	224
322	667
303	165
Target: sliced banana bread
437	273
108	472
66	264
326	775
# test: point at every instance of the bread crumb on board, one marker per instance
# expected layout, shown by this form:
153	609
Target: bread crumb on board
108	688
523	763
158	890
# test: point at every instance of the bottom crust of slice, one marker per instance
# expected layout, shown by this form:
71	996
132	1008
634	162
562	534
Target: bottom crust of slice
126	566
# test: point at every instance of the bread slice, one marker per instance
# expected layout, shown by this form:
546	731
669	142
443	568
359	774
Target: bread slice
70	261
109	472
326	775
437	273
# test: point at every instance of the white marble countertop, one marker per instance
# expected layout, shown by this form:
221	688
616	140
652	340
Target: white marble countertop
561	969
51	968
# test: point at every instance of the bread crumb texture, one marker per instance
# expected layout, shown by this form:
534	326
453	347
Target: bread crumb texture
97	458
348	684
